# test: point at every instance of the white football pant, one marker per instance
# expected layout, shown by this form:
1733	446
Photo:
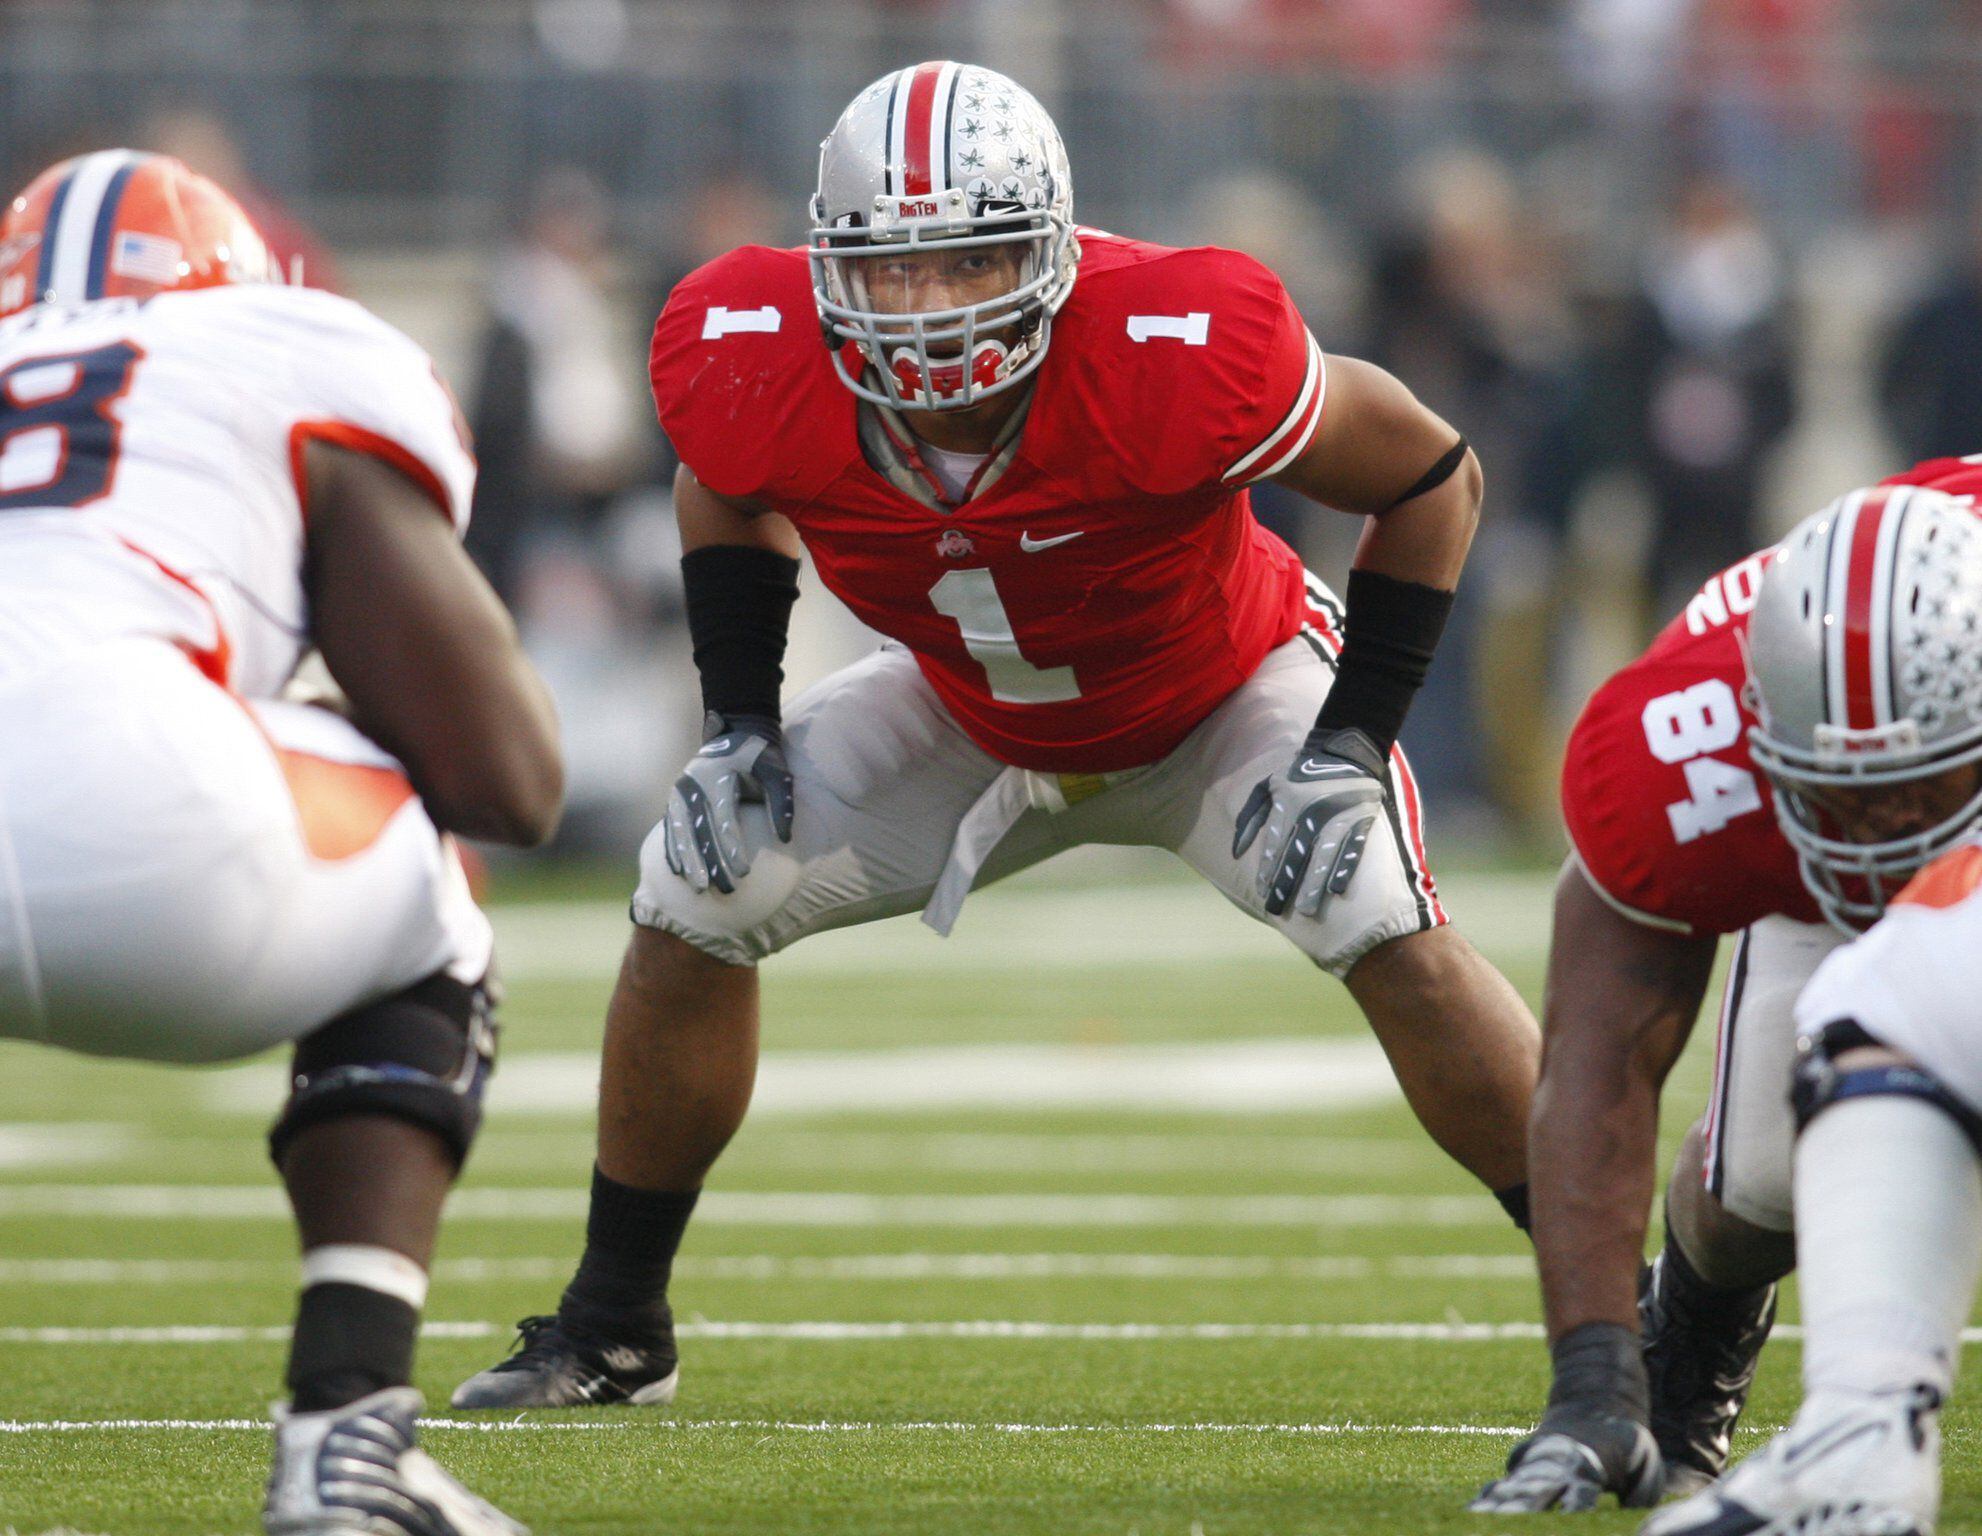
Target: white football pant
185	876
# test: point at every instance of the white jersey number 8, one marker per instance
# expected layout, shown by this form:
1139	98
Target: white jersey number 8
1684	727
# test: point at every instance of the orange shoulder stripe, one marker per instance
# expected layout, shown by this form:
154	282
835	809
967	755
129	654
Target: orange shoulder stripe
1949	880
341	807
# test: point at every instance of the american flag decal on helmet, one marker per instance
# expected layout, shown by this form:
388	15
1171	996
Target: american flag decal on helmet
150	258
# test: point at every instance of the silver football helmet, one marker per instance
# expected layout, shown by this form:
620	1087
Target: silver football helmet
1865	650
928	162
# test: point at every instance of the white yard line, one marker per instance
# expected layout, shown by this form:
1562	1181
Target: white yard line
842	1332
60	1143
641	1421
832	1267
756	1208
1187	1146
64	1144
1255	1077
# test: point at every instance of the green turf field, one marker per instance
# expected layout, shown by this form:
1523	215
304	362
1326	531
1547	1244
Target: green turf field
1098	1218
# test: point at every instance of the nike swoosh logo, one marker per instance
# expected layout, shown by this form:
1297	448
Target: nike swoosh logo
1316	770
1826	1441
1032	546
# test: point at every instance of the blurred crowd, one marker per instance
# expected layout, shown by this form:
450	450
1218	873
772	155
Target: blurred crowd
1679	269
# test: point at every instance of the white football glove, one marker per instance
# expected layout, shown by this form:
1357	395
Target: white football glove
743	760
1317	814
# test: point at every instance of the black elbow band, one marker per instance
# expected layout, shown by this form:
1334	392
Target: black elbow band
1446	467
739	614
423	1055
1391	632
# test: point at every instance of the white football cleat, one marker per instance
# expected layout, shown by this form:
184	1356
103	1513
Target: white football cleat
1853	1464
355	1471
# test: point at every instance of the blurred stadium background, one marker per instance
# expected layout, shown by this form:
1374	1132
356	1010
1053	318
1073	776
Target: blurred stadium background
1682	269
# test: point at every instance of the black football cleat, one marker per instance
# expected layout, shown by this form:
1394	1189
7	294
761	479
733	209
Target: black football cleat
1701	1349
561	1364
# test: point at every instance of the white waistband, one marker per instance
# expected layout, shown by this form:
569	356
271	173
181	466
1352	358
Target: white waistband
1008	797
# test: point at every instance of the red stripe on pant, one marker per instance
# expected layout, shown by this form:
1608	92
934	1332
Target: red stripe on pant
1414	823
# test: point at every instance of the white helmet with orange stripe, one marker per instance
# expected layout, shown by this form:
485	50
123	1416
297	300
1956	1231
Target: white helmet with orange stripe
1866	651
943	237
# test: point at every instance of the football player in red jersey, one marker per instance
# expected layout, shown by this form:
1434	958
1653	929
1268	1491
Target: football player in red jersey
1677	839
1022	454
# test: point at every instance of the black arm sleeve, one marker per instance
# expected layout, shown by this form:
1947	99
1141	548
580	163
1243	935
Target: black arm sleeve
1392	629
739	614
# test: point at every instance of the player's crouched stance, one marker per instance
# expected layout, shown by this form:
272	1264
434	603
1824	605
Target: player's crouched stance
1888	1083
198	487
1094	641
1706	793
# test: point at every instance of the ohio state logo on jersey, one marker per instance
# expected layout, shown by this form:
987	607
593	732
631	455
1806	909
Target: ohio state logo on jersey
955	544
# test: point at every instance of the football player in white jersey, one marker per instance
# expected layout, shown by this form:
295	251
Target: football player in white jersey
204	475
1871	734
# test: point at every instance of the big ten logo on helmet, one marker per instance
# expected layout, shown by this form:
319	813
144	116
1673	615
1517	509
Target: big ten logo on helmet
916	208
1836	741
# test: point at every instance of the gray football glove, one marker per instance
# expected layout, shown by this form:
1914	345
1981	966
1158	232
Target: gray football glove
1562	1469
1317	814
1594	1437
742	760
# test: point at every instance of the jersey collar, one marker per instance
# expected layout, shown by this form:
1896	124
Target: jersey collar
890	450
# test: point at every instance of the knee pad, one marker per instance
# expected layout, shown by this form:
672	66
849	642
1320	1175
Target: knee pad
423	1055
740	928
1819	1082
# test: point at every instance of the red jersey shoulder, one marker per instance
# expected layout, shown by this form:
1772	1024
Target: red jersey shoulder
1953	477
742	381
1192	368
1668	815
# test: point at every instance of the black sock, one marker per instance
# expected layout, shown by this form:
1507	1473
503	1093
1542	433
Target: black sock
349	1343
630	1240
1514	1201
1700	1296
